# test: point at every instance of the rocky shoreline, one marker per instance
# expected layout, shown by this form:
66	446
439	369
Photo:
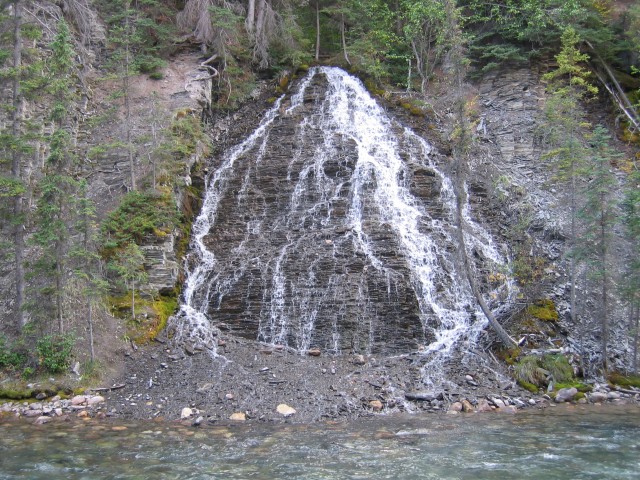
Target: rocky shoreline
250	382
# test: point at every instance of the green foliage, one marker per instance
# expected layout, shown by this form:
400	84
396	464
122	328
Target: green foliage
55	352
544	310
627	381
138	215
11	356
528	370
558	366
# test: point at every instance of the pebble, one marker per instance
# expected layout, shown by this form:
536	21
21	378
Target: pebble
238	417
186	413
285	410
314	352
376	405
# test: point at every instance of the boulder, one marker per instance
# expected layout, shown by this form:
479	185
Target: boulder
598	397
566	394
466	406
41	420
483	406
79	400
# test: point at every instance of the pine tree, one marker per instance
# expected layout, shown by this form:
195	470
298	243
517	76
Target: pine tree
630	287
59	186
600	215
569	85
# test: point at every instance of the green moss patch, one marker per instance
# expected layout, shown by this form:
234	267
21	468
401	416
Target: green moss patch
151	315
624	380
544	310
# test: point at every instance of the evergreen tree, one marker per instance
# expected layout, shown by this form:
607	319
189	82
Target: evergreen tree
599	215
59	187
630	287
569	85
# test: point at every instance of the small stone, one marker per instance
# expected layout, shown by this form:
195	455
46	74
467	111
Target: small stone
582	401
466	406
221	343
498	402
197	421
164	365
42	420
238	417
32	413
79	400
186	413
359	360
508	409
82	414
285	410
314	352
468	378
422	396
58	412
96	399
566	394
41	396
598	397
229	396
455	407
532	401
376	405
613	395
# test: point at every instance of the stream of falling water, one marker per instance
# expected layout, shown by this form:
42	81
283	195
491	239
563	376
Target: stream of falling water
425	242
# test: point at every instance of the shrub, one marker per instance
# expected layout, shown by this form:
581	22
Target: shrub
558	366
11	356
55	352
138	215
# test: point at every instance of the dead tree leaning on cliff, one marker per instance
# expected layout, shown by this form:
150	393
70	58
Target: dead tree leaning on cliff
460	145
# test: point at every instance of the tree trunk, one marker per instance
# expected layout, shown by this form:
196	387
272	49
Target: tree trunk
605	299
127	100
90	325
317	30
460	165
344	40
16	169
636	334
251	17
133	300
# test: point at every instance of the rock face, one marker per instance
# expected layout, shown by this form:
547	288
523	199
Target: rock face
327	229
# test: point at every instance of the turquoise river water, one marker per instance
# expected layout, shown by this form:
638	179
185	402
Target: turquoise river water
559	443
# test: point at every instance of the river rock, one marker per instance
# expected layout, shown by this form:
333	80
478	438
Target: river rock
455	407
41	396
186	413
41	420
94	400
498	402
83	414
285	410
314	352
613	395
598	397
466	406
483	406
359	360
79	400
32	413
566	394
238	417
422	396
376	405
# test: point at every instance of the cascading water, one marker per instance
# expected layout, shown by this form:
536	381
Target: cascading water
330	226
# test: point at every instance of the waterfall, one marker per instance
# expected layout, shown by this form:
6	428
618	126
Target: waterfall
331	226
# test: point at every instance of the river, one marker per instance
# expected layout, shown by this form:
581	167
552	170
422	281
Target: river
560	443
